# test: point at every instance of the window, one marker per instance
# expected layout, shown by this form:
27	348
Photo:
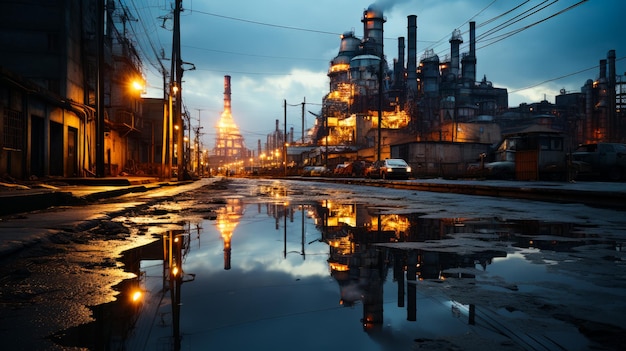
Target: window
13	130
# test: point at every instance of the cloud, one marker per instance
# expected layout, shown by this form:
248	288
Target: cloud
278	49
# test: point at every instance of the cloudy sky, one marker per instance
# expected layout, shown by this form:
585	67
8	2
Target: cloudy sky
278	50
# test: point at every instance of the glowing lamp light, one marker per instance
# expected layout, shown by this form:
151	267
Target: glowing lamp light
137	85
136	296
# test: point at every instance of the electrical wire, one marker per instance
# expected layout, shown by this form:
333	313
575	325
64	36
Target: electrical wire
267	24
560	77
511	33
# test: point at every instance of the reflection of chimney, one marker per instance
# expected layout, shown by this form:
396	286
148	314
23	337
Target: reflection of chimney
227	255
227	94
411	65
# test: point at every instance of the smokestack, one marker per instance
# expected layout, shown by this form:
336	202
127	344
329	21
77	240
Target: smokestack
612	119
373	20
227	94
611	60
401	52
469	61
412	54
602	70
472	39
399	64
455	43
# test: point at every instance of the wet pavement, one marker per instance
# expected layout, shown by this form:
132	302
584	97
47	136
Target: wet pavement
262	264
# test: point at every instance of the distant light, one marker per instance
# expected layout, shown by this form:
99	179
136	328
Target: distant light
137	86
137	296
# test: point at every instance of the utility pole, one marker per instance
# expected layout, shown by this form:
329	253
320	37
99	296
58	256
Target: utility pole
380	106
302	135
100	93
197	142
177	77
285	139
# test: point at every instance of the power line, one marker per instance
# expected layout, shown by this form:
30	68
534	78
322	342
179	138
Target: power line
267	24
561	77
511	33
254	55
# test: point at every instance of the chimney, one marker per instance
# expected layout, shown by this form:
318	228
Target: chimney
611	62
401	52
469	61
399	64
472	39
411	65
612	118
227	94
373	21
455	43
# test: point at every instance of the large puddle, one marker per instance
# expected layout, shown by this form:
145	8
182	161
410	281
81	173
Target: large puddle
338	276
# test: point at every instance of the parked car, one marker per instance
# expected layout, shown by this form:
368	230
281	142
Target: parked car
390	168
602	160
341	169
314	171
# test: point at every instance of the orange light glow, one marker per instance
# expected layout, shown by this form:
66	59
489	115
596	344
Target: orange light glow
136	296
137	85
338	267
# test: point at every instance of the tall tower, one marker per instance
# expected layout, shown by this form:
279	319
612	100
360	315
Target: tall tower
373	21
230	153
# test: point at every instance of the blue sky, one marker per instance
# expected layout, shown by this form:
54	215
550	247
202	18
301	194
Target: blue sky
280	49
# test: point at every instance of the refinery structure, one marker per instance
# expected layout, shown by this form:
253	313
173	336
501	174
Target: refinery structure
78	113
438	113
229	154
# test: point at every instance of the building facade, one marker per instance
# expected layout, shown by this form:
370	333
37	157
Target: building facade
49	73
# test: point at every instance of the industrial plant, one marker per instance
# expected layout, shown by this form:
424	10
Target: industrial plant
436	114
74	113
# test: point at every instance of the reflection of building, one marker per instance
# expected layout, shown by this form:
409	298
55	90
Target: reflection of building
365	242
228	217
229	153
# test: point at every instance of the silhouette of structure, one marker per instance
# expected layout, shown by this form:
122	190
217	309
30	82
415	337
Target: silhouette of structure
229	153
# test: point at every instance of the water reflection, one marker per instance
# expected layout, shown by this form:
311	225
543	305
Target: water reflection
367	251
227	219
359	257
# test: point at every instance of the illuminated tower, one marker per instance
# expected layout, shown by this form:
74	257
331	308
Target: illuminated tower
230	151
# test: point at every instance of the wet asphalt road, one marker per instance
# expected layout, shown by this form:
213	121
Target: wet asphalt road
69	263
52	284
